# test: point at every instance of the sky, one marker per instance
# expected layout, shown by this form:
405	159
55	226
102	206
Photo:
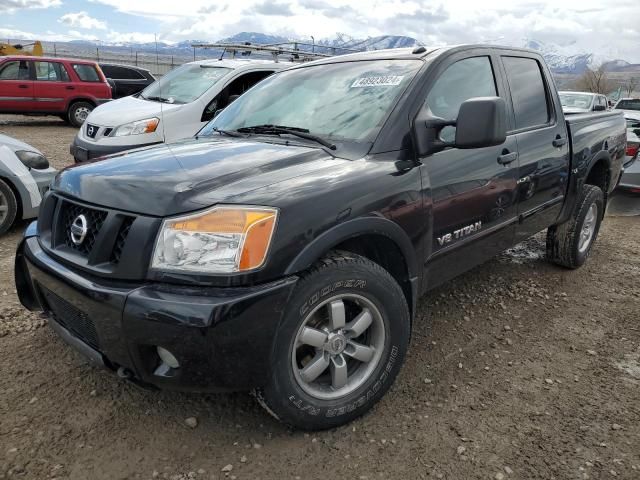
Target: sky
608	28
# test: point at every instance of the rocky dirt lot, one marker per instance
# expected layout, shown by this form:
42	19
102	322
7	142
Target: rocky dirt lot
517	370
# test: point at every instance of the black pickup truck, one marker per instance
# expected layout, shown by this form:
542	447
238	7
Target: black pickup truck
284	248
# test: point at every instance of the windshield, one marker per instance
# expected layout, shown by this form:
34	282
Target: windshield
576	100
345	101
632	104
184	84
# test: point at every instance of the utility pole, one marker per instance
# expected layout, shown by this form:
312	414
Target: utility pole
155	36
313	44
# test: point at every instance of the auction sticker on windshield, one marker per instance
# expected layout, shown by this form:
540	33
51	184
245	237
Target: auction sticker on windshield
385	81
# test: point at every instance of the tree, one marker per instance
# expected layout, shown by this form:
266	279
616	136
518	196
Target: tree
631	85
594	80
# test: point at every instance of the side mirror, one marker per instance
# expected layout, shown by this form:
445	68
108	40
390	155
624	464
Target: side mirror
599	108
482	122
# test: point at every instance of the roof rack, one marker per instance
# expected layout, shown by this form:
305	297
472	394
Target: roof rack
277	50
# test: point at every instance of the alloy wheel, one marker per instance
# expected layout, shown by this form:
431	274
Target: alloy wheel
338	346
588	228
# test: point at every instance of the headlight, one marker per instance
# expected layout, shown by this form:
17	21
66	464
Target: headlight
219	240
32	159
137	128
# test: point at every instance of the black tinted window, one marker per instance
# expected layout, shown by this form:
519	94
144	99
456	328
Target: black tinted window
87	73
630	104
468	78
527	91
121	73
14	71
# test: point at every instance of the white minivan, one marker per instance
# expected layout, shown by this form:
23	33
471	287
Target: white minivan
175	107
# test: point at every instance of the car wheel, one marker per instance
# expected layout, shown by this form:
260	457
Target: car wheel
8	207
78	113
340	345
569	243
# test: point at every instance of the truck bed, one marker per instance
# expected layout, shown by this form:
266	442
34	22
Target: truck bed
591	134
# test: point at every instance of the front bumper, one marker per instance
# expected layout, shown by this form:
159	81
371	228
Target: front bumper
222	337
82	151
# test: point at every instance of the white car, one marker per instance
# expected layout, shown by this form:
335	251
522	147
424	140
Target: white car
174	107
25	176
582	102
630	107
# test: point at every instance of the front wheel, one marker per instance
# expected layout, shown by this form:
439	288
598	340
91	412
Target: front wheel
340	346
8	207
78	113
569	243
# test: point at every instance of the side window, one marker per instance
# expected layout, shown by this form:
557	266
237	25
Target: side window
232	91
15	71
86	73
121	73
527	92
51	72
465	79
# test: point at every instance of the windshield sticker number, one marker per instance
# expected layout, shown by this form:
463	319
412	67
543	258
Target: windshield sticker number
385	81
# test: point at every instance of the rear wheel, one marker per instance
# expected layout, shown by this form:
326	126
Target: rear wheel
78	113
340	346
569	243
8	207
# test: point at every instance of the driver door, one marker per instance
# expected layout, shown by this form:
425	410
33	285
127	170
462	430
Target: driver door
473	192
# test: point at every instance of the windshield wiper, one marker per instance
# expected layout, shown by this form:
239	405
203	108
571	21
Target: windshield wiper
279	129
230	133
159	99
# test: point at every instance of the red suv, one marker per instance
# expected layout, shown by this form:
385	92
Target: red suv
68	88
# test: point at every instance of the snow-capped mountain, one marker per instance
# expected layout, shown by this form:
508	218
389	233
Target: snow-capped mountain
568	58
571	58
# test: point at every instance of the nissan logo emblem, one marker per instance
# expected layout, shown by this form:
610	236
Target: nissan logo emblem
79	229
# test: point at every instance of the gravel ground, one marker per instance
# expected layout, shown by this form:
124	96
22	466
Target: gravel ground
518	369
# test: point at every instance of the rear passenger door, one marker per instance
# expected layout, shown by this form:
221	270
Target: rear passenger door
52	86
543	146
16	87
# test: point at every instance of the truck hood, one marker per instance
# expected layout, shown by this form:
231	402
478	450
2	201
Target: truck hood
176	178
128	109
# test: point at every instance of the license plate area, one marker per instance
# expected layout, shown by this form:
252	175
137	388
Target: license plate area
81	154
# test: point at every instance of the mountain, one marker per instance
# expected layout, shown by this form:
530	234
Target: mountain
571	59
567	58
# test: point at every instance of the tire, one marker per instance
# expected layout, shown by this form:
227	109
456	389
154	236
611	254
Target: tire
8	207
78	113
367	292
569	243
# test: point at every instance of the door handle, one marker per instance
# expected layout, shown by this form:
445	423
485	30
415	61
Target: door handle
507	157
70	87
23	86
559	141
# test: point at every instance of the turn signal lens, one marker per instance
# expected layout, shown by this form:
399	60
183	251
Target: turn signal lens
220	240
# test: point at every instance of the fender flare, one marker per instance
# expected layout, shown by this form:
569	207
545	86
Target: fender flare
579	179
352	228
601	155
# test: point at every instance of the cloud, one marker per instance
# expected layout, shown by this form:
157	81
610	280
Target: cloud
272	8
578	25
82	20
12	5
